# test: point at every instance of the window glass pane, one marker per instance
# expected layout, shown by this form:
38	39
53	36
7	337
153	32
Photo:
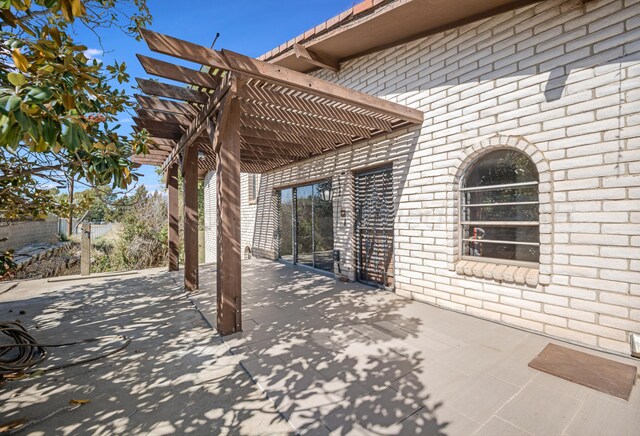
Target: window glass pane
510	233
522	253
527	212
304	225
285	229
501	167
323	225
502	195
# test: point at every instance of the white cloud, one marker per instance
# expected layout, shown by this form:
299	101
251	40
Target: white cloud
125	121
93	53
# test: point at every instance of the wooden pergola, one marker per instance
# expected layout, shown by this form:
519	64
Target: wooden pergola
239	114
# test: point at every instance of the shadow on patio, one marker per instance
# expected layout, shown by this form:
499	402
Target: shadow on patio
175	377
335	356
343	358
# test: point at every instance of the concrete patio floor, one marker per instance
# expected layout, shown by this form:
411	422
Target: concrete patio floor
175	377
331	357
343	358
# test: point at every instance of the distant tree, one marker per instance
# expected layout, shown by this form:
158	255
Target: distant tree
58	109
142	238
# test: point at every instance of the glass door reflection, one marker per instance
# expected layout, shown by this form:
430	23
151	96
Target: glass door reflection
323	226
285	232
305	229
304	225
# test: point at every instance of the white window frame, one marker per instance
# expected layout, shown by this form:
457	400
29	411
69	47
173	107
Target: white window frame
461	223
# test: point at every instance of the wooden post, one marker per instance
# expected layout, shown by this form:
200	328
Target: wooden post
190	168
174	219
85	250
228	272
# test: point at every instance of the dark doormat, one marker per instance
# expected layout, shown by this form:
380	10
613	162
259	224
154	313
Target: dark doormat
604	375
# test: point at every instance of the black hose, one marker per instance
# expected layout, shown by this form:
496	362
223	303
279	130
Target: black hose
26	352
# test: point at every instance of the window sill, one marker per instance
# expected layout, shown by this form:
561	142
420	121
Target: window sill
521	275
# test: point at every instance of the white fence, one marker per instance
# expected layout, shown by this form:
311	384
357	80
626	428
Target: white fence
97	230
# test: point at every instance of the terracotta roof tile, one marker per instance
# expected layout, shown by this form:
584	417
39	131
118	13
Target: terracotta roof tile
362	6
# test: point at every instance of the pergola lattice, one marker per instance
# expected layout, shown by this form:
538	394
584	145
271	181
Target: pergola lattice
239	114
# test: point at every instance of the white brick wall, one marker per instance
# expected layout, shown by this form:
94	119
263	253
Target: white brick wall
559	80
210	230
248	214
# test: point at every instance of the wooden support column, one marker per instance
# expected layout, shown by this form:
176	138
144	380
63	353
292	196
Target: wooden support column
174	218
85	250
226	142
190	171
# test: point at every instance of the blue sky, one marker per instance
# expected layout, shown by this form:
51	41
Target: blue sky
248	27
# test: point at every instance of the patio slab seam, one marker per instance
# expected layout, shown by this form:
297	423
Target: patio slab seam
239	363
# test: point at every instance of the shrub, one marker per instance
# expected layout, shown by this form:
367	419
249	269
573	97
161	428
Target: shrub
142	239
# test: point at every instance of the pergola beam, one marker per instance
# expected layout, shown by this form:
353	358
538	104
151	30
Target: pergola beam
260	108
199	122
327	111
161	142
235	62
301	150
159	89
178	73
150	124
262	150
164	117
160	133
331	139
312	144
159	104
315	58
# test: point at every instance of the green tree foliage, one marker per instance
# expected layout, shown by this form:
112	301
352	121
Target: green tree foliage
58	109
142	240
99	203
7	265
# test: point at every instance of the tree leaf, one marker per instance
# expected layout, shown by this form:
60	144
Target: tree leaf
9	103
73	402
21	62
39	95
12	425
50	132
5	4
69	137
16	79
67	13
68	101
47	69
23	120
77	8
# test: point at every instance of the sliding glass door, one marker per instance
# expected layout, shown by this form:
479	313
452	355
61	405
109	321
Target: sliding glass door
304	225
323	226
305	228
285	232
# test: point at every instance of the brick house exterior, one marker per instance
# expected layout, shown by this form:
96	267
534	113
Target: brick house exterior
558	80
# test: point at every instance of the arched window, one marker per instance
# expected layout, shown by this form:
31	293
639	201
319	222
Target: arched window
499	209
